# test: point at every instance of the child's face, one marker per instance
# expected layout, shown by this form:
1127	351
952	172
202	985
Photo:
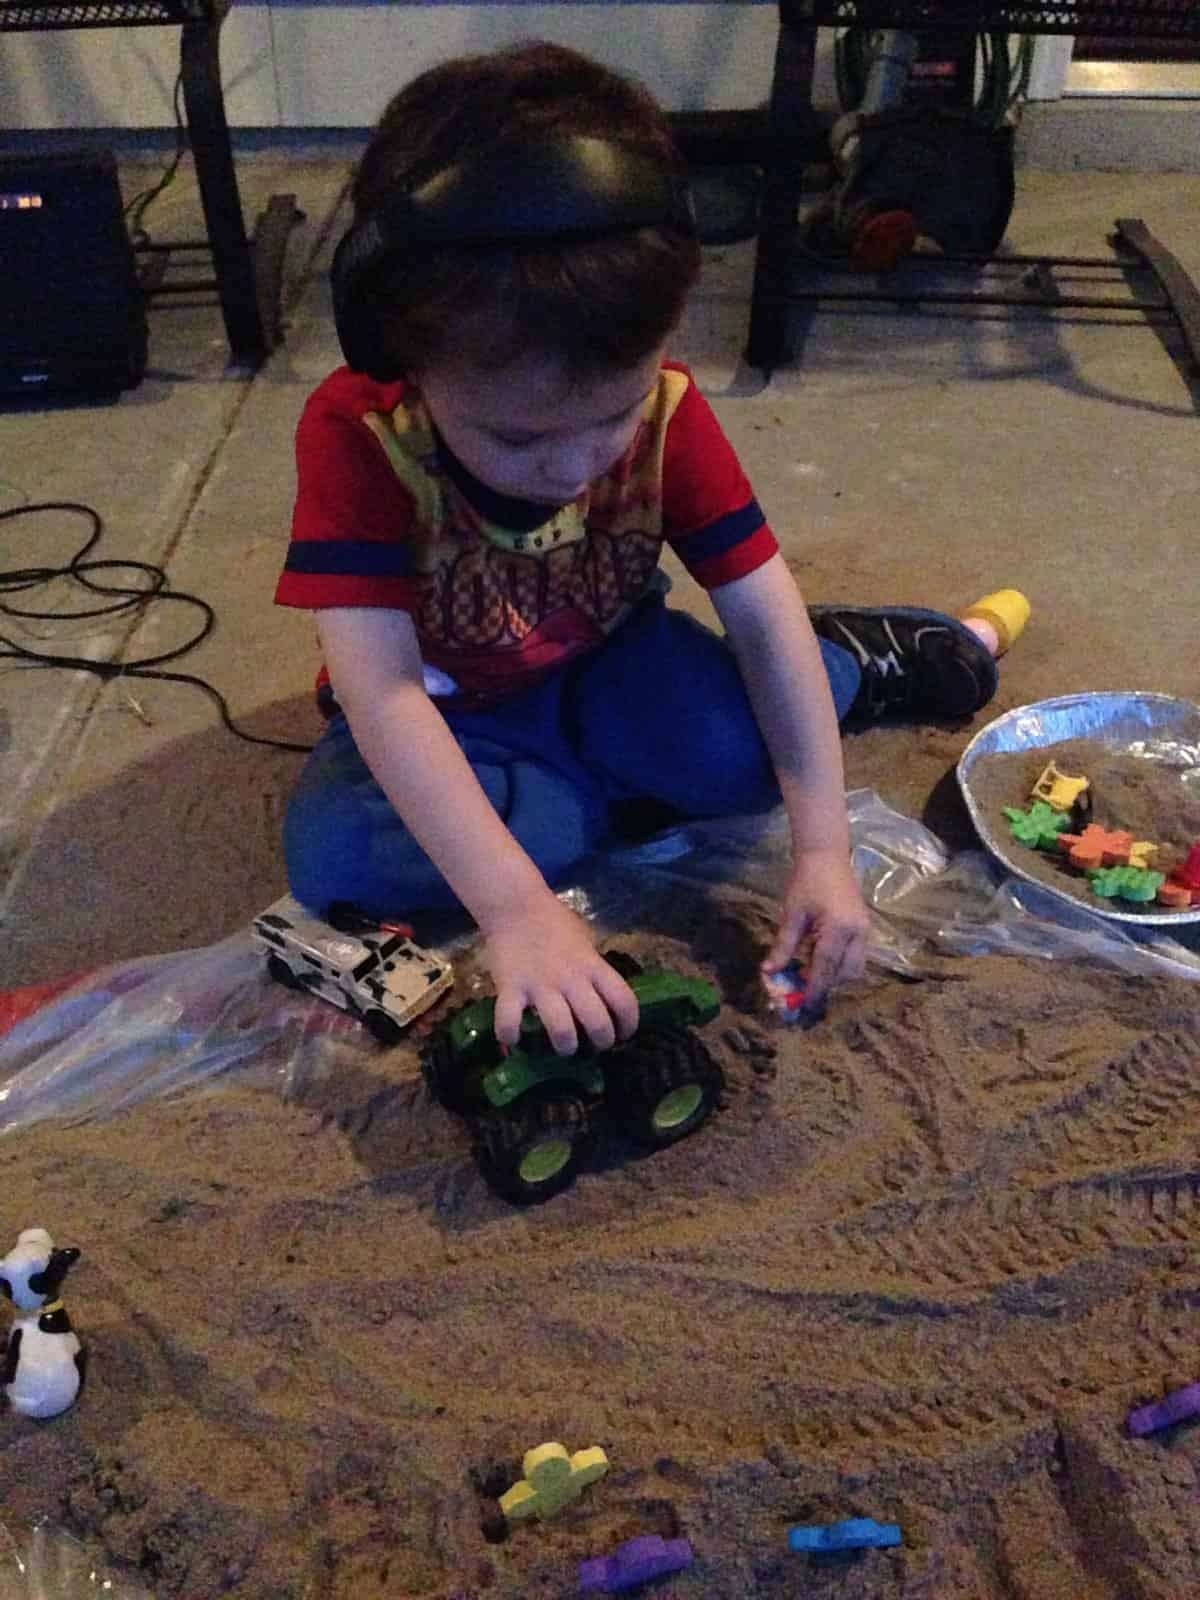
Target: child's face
525	430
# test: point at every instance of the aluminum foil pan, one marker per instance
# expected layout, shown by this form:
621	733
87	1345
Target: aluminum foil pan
1155	727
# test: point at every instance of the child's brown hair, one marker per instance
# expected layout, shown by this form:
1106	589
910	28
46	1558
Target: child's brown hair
596	305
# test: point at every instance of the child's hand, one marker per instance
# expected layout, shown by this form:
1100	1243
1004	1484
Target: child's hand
823	906
544	957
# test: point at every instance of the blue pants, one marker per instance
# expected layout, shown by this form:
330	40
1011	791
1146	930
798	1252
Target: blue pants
658	711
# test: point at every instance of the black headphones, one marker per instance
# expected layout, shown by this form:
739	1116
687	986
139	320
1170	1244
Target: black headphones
529	190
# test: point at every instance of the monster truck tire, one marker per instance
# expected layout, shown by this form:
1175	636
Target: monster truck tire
626	965
533	1148
382	1027
665	1086
282	973
444	1078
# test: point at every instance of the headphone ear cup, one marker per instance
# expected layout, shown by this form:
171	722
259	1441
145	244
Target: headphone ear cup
356	261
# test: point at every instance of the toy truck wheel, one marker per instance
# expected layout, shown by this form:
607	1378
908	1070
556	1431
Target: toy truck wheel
666	1087
444	1076
282	973
534	1148
382	1027
628	966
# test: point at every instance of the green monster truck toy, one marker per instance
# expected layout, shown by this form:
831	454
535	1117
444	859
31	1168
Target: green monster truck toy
532	1112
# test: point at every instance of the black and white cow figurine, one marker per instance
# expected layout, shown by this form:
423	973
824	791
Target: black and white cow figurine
43	1362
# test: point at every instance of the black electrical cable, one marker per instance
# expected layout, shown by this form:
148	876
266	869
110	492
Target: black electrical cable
136	210
121	598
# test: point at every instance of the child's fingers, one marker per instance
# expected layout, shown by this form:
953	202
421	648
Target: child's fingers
788	935
606	1012
605	1007
552	1008
558	1021
594	1017
621	1001
506	1021
838	957
854	958
822	974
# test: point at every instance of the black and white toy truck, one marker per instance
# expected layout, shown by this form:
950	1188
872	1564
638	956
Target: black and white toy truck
374	971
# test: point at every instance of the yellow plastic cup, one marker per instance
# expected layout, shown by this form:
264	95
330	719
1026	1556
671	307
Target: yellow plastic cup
1007	610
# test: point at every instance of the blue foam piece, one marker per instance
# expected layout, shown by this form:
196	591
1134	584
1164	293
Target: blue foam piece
856	1533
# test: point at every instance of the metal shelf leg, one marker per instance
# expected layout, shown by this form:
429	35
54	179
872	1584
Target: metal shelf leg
790	117
233	257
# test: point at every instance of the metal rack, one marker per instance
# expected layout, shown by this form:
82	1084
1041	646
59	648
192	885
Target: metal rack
792	124
1156	19
248	273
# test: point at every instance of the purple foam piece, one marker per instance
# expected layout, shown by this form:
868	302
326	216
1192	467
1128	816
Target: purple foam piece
1177	1407
636	1561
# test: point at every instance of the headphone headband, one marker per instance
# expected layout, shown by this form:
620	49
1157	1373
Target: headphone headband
521	192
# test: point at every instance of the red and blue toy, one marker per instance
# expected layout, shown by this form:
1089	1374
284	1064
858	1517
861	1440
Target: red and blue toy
787	992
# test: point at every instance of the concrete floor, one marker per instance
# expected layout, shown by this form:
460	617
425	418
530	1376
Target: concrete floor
920	458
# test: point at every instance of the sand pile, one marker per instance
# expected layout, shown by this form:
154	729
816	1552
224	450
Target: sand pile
919	1268
1150	799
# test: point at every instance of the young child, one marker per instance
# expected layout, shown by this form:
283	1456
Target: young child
483	494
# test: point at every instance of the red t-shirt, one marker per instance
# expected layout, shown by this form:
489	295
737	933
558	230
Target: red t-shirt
380	520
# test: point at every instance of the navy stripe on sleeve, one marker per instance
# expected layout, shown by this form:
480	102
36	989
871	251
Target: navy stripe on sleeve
721	535
350	558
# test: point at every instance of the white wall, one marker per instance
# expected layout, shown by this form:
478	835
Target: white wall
335	65
339	65
123	77
300	65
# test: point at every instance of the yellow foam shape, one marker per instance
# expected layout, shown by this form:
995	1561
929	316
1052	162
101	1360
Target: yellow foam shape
552	1480
1007	610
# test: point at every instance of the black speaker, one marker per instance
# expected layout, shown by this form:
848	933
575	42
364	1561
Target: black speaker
72	314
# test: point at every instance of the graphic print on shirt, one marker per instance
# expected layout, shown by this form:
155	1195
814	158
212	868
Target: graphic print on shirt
385	517
529	599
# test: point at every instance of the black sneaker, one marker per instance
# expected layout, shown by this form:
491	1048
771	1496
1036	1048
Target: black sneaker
914	663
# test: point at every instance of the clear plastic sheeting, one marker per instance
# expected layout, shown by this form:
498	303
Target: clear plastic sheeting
747	860
47	1564
149	1027
923	901
153	1027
